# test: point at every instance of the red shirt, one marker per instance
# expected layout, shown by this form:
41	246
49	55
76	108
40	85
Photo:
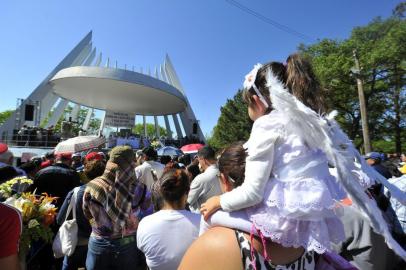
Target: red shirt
10	230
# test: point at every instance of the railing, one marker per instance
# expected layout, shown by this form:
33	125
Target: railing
32	140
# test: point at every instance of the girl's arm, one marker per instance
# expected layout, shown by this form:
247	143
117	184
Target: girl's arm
258	169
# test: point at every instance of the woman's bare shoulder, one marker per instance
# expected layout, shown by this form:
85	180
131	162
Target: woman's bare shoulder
215	249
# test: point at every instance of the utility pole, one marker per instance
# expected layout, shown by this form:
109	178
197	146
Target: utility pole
363	110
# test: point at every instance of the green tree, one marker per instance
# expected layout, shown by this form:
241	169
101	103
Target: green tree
233	124
4	115
400	10
381	50
139	129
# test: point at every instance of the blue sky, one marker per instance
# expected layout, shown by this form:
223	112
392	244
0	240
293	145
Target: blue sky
212	44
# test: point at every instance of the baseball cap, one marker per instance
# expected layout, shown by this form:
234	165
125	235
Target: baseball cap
64	155
3	148
373	155
93	156
77	154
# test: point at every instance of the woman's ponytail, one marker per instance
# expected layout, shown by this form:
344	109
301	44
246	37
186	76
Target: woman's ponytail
302	82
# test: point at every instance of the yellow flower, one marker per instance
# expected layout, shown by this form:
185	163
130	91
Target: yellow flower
28	210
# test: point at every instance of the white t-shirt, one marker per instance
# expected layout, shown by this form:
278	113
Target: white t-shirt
165	236
143	172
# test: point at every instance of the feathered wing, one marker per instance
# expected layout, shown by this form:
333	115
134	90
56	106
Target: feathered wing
316	132
342	138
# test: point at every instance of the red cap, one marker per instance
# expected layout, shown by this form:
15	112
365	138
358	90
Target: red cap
45	164
93	156
3	148
64	155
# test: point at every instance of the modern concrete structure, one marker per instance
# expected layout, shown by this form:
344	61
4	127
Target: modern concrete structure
81	78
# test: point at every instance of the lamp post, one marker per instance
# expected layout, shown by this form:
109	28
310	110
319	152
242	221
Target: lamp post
363	110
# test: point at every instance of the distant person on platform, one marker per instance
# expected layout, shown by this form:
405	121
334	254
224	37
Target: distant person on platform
374	160
58	179
150	170
206	184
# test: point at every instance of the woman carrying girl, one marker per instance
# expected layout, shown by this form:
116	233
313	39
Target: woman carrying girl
289	195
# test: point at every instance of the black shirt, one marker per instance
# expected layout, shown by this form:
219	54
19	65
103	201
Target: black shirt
56	180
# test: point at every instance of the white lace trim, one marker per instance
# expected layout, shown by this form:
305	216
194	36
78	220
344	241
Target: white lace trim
303	195
312	235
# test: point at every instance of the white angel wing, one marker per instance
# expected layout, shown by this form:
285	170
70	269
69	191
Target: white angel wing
316	132
342	138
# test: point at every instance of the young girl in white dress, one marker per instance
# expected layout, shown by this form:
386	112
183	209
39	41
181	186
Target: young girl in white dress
289	195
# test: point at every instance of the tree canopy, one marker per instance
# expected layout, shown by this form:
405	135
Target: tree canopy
139	129
4	115
233	124
382	54
381	50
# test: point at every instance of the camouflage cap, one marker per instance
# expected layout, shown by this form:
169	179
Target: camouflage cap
122	155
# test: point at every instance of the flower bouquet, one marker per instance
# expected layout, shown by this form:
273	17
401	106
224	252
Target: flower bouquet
15	185
38	213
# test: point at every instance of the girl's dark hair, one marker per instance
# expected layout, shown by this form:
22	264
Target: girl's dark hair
232	163
298	76
261	81
173	184
303	83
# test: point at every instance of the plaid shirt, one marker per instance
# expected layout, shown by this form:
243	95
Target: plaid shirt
400	209
103	226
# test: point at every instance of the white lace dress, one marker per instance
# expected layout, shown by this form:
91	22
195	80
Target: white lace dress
288	192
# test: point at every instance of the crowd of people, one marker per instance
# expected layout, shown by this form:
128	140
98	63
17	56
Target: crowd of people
36	136
296	195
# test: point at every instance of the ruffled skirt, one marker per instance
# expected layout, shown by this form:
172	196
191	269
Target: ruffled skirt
301	211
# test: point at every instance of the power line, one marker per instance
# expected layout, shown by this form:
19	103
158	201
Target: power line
270	21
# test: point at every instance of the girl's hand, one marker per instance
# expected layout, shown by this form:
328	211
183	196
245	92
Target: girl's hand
210	206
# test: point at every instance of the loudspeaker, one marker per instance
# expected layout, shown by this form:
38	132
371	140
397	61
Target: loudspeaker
194	128
29	113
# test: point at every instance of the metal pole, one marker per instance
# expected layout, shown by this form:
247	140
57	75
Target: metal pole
144	121
363	110
157	131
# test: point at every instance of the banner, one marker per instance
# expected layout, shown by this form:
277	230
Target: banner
116	119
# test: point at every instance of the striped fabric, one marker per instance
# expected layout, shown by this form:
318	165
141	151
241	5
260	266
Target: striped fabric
112	191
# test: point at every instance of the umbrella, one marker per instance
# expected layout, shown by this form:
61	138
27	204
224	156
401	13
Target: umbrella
191	148
79	143
169	151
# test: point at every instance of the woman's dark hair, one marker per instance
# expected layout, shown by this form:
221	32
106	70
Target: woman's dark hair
7	173
193	170
185	159
232	163
94	168
29	167
173	184
165	159
298	76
